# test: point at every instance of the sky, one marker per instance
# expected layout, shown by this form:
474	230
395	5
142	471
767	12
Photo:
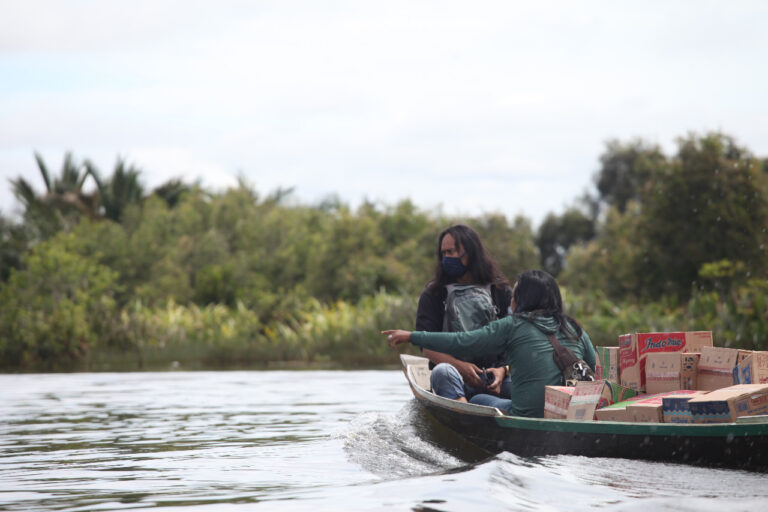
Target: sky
462	107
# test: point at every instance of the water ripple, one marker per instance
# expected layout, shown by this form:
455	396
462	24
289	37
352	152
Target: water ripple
299	441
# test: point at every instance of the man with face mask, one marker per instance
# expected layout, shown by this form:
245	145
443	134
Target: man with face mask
463	261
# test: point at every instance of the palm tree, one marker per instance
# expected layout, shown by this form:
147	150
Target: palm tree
63	202
122	189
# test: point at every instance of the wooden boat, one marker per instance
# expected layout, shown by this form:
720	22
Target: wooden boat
736	445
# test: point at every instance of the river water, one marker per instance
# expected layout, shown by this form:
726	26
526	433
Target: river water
298	440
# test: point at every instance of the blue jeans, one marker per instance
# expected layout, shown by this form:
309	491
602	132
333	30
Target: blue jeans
446	381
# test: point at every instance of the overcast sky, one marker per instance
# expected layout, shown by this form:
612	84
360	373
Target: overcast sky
475	106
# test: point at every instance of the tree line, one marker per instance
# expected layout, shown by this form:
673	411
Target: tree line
98	272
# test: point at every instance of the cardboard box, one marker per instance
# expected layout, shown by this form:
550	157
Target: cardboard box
669	371
608	362
753	369
645	412
651	408
615	412
556	401
618	410
727	404
675	408
590	396
634	348
716	368
662	372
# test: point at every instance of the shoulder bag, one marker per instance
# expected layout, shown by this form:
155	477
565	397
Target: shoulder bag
573	368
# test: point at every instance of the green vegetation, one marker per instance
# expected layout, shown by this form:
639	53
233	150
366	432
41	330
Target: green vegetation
100	274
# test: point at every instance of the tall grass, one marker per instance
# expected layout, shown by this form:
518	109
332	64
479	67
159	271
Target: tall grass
339	334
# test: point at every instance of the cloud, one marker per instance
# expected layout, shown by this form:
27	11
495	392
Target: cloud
501	106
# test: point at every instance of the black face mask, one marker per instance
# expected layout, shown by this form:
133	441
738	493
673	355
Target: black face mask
453	267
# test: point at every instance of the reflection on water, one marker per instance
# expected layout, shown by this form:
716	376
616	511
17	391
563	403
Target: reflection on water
297	440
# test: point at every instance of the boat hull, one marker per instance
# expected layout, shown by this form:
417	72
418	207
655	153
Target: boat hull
734	445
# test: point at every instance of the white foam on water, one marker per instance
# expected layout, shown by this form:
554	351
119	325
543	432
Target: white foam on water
620	485
393	446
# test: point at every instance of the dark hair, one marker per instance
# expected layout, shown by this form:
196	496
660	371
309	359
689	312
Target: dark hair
482	268
538	294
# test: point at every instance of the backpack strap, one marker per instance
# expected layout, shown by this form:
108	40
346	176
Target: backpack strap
572	368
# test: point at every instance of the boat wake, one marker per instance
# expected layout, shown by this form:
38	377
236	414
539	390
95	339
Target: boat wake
409	443
619	485
424	466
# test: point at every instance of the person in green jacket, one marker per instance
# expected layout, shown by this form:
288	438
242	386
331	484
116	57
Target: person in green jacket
522	336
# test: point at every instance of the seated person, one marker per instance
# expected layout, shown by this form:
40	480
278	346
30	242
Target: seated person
462	260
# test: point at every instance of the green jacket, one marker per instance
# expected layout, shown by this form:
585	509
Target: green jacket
527	349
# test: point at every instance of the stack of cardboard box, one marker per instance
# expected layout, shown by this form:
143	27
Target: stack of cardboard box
673	377
634	350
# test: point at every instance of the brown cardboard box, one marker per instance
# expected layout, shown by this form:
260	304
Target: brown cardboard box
651	409
590	396
716	368
608	361
668	371
727	404
634	348
662	372
645	411
675	407
615	412
556	401
629	364
752	369
618	410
